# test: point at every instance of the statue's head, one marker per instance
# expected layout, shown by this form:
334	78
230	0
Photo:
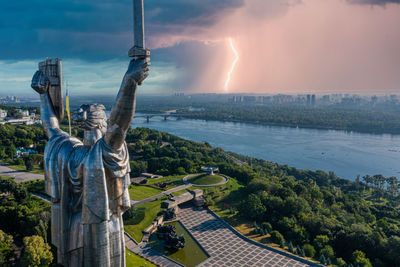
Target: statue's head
91	117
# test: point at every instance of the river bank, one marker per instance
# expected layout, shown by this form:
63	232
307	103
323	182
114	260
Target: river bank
296	125
348	154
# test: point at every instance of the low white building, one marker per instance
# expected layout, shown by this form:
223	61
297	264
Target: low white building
24	113
3	114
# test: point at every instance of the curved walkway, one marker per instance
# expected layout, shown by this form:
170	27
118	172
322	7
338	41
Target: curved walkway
185	180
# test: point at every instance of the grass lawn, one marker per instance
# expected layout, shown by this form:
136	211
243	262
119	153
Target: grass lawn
133	260
146	214
222	194
36	169
191	255
204	179
178	193
140	192
175	179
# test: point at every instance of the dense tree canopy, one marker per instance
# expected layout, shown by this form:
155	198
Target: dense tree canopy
329	217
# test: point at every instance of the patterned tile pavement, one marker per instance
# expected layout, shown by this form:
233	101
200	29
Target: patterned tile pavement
146	252
227	248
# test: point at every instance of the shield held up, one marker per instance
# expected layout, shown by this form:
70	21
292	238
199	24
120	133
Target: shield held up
52	68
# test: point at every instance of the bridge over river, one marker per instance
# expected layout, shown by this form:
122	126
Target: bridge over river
163	115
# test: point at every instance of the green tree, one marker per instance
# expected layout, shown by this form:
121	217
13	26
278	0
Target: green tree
340	262
309	250
28	164
327	251
393	186
137	167
359	259
267	227
253	207
322	259
41	229
320	241
36	252
6	252
180	170
277	237
392	250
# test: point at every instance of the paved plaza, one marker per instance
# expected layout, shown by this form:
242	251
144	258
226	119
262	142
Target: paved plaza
227	248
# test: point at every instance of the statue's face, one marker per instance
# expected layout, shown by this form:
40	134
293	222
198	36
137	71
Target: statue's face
79	116
91	117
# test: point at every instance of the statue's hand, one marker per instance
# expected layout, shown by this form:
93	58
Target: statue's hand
40	82
138	70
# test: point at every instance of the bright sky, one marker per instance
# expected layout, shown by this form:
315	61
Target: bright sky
262	46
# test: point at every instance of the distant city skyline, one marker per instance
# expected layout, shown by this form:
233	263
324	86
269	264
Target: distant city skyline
266	46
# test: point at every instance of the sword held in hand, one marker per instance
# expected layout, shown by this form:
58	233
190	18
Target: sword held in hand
139	49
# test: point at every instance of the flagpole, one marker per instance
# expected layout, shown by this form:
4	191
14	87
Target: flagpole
67	108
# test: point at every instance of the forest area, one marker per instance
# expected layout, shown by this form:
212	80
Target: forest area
314	212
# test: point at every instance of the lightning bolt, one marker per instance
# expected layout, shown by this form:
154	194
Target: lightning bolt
235	52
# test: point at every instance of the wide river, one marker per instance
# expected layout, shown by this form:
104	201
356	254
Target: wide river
347	154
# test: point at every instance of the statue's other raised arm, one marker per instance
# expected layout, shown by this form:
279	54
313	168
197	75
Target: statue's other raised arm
41	84
124	109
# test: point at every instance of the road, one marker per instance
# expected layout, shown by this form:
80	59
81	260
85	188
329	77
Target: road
235	160
20	176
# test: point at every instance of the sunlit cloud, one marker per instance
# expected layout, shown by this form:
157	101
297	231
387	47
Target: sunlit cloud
285	46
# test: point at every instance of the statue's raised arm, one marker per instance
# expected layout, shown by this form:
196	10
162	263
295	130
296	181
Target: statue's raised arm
47	81
41	84
124	108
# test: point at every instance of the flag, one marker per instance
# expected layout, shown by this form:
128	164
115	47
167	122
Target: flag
67	104
67	108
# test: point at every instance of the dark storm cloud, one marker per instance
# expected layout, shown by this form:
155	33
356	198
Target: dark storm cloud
92	29
374	2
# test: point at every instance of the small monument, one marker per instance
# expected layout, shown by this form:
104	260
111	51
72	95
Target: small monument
210	170
88	181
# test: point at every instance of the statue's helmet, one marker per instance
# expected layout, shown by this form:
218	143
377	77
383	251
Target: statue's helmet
90	117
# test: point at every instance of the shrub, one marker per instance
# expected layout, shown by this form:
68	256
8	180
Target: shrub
328	252
262	232
298	250
359	259
19	161
340	262
320	241
290	247
277	237
309	250
322	259
267	227
36	252
28	165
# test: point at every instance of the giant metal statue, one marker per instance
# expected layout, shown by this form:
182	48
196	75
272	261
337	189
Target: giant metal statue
88	181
